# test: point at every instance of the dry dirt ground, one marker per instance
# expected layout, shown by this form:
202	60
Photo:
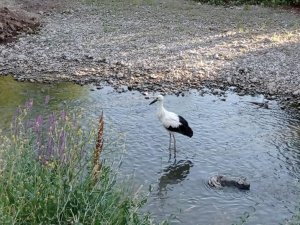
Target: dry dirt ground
160	45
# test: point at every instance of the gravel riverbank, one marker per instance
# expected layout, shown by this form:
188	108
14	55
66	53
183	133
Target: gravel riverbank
163	45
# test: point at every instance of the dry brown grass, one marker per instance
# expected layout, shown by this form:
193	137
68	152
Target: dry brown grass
99	147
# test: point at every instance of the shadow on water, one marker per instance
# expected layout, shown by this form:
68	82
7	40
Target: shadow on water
231	137
174	174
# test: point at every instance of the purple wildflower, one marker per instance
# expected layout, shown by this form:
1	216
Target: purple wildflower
37	129
62	145
28	125
50	148
38	124
47	99
29	104
51	122
63	115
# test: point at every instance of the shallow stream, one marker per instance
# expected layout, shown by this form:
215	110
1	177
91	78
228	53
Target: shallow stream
231	137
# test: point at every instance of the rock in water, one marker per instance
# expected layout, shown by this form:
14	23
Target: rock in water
220	181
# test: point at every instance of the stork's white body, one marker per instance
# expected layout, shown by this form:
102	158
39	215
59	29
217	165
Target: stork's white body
167	118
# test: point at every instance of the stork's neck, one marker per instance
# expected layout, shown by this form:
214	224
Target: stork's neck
160	109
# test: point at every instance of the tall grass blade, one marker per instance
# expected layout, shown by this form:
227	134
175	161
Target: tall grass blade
99	147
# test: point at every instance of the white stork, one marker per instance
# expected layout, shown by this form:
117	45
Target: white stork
171	121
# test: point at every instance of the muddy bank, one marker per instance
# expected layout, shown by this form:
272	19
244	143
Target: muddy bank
14	22
24	16
165	46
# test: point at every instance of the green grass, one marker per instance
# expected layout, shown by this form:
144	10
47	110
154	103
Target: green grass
47	177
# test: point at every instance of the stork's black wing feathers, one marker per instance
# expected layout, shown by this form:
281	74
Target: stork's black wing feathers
183	121
183	128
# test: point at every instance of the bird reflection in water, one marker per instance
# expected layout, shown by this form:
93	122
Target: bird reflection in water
174	174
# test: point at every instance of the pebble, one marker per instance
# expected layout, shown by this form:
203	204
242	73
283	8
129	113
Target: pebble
254	80
152	76
229	80
216	91
296	93
272	87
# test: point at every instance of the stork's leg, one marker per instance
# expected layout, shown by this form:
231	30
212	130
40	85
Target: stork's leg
174	146
170	141
174	141
170	153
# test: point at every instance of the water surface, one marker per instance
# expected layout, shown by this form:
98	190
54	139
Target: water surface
232	137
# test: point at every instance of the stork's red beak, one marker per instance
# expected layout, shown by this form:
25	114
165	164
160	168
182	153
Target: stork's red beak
155	100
